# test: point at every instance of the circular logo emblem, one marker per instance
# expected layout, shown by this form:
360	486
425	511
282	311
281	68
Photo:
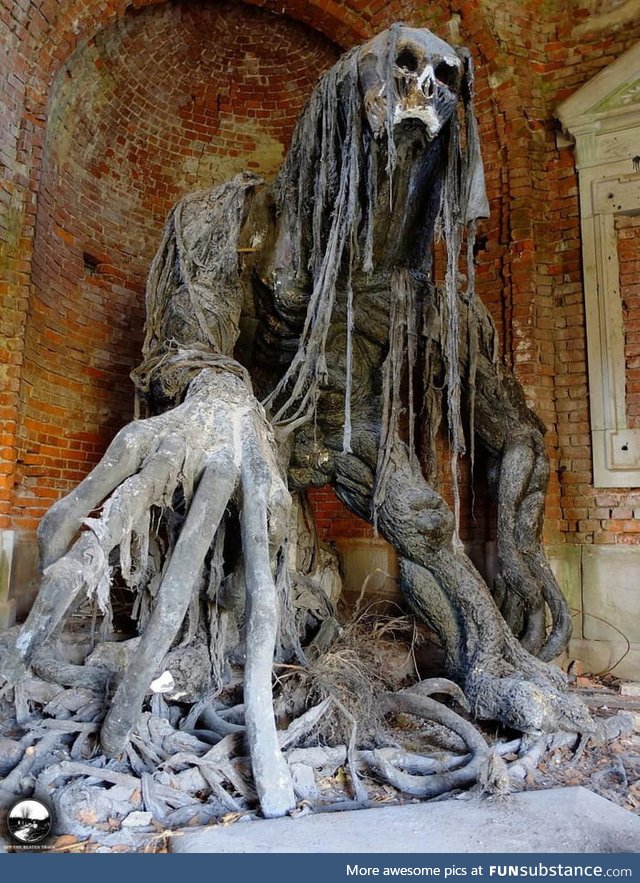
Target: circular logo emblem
29	821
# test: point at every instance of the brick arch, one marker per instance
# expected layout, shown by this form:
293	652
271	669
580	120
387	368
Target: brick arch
80	20
40	38
53	37
155	106
57	30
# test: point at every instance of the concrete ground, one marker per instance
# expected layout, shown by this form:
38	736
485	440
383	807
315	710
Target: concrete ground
559	820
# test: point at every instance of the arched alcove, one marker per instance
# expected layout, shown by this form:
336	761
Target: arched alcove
170	99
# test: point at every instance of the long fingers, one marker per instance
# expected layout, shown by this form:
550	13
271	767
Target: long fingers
63	584
180	581
121	459
270	771
85	567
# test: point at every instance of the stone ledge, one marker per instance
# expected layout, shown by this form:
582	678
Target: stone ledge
556	821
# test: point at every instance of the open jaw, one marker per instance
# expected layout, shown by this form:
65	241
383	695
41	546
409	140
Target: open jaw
426	78
426	89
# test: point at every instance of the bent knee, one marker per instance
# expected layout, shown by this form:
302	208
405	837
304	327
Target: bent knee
416	517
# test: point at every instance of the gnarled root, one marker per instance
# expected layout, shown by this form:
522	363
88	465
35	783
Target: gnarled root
177	778
483	764
501	680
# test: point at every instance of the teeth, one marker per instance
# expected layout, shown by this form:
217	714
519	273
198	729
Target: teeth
427	74
426	115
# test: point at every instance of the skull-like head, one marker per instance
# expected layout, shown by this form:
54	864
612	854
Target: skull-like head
409	74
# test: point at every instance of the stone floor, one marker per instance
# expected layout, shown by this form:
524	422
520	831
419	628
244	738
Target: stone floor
554	821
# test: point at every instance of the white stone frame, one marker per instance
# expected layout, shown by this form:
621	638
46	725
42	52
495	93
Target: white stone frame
603	117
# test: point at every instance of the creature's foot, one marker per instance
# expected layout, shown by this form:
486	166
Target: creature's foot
531	698
500	678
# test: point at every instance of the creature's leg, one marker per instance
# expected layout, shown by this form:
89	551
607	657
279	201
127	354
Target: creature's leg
513	435
501	679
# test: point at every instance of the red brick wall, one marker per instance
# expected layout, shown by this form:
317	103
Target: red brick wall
162	103
17	201
575	50
125	116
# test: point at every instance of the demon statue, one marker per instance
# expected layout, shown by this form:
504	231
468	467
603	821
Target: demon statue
291	326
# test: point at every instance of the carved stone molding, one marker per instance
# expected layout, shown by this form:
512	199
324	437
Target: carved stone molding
603	117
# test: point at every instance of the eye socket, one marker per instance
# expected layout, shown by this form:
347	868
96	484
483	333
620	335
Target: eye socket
407	60
447	74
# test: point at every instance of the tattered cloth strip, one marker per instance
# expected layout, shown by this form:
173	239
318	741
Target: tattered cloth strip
463	202
173	366
401	357
331	161
332	157
326	194
194	293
